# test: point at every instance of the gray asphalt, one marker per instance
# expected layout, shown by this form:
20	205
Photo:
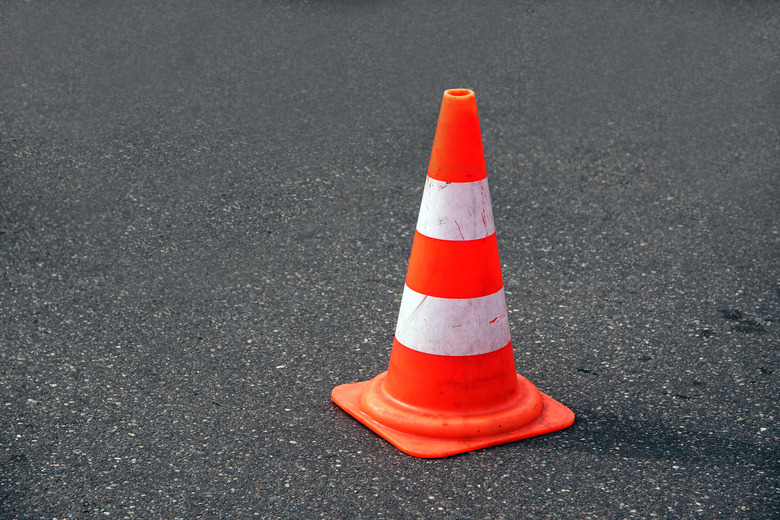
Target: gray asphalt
206	210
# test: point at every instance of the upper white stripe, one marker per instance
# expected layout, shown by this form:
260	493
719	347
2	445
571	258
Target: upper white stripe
453	326
456	210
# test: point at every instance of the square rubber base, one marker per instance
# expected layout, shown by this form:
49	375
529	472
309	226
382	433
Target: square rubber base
554	417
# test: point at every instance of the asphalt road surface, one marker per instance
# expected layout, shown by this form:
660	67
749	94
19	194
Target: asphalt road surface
207	208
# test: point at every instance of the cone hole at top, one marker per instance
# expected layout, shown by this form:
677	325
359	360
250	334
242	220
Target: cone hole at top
459	93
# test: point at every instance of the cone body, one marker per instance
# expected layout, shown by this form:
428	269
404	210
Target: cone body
451	384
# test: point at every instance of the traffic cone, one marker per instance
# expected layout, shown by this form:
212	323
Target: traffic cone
451	385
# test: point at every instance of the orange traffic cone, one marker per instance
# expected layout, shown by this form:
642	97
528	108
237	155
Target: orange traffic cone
451	385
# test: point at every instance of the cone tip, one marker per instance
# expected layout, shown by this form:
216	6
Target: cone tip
459	94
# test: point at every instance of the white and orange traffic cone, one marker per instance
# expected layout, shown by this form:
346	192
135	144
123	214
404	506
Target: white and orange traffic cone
451	386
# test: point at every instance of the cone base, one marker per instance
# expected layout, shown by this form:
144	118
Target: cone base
553	417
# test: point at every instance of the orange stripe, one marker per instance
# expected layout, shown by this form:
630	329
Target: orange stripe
457	154
454	269
452	383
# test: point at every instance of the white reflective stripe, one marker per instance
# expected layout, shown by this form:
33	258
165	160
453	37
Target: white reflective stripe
456	210
453	326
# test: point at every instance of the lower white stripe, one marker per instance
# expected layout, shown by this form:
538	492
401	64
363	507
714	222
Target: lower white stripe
452	326
456	210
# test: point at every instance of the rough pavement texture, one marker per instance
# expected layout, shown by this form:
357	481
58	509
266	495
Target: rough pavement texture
206	211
